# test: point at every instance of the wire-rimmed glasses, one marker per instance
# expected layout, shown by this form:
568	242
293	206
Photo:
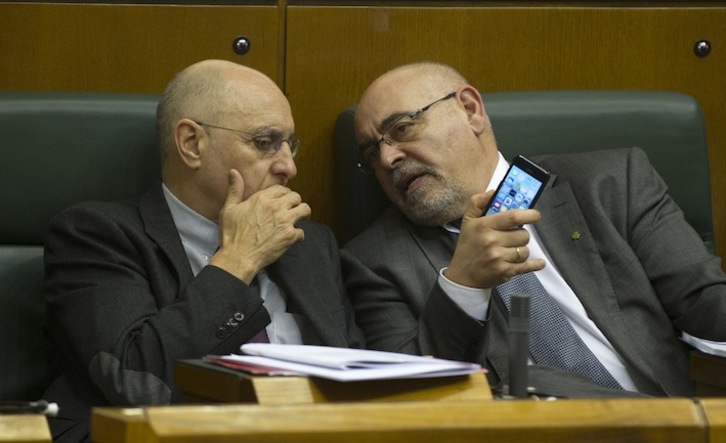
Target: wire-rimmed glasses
404	127
267	143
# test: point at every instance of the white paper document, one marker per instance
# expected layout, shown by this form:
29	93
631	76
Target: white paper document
709	347
343	364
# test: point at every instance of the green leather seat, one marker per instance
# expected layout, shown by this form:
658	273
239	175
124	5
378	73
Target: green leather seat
667	126
57	149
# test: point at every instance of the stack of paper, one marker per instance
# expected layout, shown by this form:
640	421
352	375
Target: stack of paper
340	364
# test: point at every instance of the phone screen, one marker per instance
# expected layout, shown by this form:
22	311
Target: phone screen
520	188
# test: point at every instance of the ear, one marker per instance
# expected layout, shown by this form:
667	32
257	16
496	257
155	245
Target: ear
473	104
190	140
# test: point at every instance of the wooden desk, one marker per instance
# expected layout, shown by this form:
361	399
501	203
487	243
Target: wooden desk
709	373
621	420
121	425
715	412
24	428
203	382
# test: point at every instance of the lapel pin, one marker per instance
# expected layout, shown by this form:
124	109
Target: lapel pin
575	235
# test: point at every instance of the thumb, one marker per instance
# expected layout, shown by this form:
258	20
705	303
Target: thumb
477	204
236	189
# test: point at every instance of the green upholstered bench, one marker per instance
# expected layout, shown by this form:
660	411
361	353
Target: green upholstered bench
57	149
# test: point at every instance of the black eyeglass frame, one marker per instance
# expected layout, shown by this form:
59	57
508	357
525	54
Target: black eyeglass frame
292	141
364	166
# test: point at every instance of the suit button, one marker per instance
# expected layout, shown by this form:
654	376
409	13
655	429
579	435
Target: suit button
221	332
238	316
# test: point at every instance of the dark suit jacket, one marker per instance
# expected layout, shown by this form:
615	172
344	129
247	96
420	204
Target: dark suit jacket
123	305
641	272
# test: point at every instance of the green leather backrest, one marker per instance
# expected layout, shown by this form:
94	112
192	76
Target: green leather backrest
57	149
667	126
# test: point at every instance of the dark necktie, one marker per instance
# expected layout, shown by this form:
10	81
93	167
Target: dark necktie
260	337
552	339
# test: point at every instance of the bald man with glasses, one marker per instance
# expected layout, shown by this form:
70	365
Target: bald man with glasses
217	254
433	276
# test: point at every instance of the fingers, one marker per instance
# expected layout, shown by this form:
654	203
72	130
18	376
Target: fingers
284	200
513	219
236	189
523	267
256	231
292	204
492	249
512	261
518	254
285	197
504	220
477	204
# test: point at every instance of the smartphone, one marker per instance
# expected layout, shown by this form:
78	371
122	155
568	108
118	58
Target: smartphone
520	188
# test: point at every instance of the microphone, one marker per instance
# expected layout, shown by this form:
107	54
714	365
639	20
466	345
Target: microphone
518	344
29	407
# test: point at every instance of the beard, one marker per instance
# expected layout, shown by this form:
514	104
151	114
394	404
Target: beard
438	201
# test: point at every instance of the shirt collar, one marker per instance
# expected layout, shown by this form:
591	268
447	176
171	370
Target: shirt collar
195	230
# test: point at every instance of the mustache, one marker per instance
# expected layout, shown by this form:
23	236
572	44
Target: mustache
409	168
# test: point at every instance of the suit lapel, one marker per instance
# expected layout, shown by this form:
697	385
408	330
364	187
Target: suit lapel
572	248
309	294
567	237
161	229
437	248
299	278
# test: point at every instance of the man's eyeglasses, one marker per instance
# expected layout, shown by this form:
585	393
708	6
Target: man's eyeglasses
403	128
267	143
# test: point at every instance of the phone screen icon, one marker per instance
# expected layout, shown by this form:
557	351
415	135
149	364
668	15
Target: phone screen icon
520	188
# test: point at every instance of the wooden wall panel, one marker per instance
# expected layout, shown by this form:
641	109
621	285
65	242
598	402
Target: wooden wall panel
126	48
334	52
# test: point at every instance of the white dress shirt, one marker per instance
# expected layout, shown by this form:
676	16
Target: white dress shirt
475	301
200	239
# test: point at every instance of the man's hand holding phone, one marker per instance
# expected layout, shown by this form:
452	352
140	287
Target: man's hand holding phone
492	249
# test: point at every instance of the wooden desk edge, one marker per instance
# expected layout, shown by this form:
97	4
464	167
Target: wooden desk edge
714	412
204	382
671	420
24	428
120	425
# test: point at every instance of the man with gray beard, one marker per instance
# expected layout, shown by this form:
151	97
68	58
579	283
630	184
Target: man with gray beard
427	276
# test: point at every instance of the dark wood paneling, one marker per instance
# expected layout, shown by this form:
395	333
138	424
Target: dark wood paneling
126	48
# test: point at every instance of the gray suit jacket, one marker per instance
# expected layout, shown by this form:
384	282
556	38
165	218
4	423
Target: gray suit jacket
123	305
641	272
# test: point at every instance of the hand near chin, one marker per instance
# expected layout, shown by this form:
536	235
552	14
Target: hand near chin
256	232
492	249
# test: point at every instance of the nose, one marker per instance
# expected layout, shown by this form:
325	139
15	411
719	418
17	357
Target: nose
389	153
284	162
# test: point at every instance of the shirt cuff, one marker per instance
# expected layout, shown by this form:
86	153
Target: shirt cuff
473	301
